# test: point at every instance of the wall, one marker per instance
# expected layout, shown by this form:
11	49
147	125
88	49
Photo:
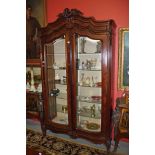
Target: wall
100	9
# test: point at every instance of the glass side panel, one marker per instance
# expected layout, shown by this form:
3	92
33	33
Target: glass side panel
89	84
57	83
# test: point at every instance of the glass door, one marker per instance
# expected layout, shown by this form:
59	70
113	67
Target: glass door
57	81
89	84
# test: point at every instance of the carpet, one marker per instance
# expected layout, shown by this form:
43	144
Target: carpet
50	145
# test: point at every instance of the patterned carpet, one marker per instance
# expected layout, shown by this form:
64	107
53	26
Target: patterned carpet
50	145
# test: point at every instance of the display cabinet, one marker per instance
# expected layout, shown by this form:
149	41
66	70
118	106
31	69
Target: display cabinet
33	88
77	76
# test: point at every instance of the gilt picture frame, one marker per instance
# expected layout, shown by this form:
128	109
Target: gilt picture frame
38	10
123	59
35	18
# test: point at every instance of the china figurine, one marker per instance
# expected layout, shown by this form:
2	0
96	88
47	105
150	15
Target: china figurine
83	65
92	84
57	77
27	86
88	64
92	109
93	63
83	42
39	89
55	66
82	79
32	88
87	81
98	47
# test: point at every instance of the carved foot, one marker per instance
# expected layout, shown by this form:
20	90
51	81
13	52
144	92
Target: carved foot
43	128
115	147
108	145
72	134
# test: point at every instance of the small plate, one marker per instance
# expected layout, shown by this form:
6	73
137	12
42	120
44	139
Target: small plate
93	126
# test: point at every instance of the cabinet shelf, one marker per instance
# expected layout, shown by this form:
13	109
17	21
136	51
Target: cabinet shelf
57	82
89	53
56	69
84	114
91	101
62	96
60	83
89	69
89	86
56	54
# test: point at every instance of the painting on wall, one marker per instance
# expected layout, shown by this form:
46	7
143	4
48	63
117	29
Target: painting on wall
123	59
35	19
38	10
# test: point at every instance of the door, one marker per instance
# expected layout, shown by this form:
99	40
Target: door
88	84
57	81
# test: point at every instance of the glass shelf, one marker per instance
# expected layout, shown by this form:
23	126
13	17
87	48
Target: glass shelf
89	69
60	68
89	53
84	114
89	86
56	54
62	96
61	83
89	99
57	82
64	69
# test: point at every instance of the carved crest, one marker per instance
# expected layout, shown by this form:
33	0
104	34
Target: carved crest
69	13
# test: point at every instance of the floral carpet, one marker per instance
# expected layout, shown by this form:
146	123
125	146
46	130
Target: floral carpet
50	145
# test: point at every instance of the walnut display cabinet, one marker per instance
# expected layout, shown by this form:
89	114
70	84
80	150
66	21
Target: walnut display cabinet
77	76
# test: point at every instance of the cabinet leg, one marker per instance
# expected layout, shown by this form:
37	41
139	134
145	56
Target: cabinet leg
116	146
108	145
43	128
72	134
116	138
41	116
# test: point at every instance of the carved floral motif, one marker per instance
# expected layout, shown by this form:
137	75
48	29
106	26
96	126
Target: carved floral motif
69	13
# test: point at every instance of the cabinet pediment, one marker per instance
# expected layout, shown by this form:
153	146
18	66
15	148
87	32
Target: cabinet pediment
73	20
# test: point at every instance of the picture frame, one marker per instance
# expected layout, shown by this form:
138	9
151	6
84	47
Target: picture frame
35	19
123	59
38	10
124	120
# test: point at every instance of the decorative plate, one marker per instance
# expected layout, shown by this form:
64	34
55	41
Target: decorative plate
93	126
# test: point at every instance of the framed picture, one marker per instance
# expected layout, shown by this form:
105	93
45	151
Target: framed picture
38	10
35	19
123	59
124	120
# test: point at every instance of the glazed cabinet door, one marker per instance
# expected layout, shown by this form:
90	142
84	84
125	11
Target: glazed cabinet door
56	81
88	84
